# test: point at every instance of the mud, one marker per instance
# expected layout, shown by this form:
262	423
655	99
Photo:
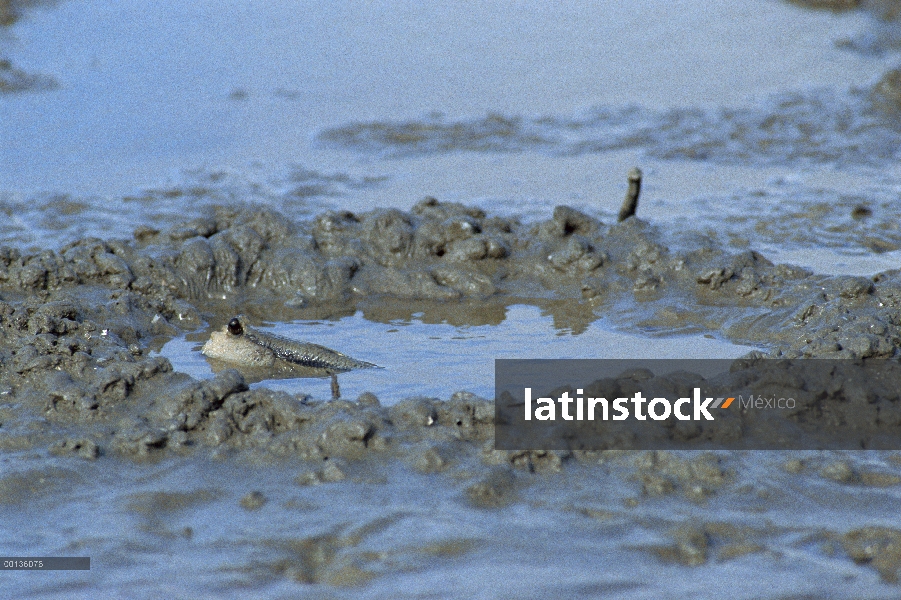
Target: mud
10	12
13	80
78	324
853	127
881	36
79	380
276	488
834	5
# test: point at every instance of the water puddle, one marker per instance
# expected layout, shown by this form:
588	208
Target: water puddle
438	359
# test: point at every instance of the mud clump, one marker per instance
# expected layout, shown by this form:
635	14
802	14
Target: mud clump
8	14
493	491
886	94
663	473
85	448
330	473
695	544
879	547
253	501
77	325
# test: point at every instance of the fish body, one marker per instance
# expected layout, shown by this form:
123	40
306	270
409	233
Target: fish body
242	344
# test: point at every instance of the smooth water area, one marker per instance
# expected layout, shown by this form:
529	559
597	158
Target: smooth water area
438	359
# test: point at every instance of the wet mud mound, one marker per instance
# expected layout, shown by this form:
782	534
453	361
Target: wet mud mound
77	372
79	379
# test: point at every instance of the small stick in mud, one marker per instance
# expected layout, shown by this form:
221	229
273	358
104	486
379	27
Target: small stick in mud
336	391
630	204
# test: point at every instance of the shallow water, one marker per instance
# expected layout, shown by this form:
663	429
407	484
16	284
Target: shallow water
192	528
145	90
438	359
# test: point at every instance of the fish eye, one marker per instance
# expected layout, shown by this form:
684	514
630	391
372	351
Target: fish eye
234	327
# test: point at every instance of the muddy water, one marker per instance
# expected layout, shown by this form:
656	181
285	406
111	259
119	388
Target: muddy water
176	87
438	359
163	168
231	529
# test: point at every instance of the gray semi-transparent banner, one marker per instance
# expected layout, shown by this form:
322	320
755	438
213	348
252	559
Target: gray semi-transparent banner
45	563
744	404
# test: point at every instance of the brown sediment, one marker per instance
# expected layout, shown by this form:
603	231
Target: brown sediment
78	324
13	80
833	5
7	14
